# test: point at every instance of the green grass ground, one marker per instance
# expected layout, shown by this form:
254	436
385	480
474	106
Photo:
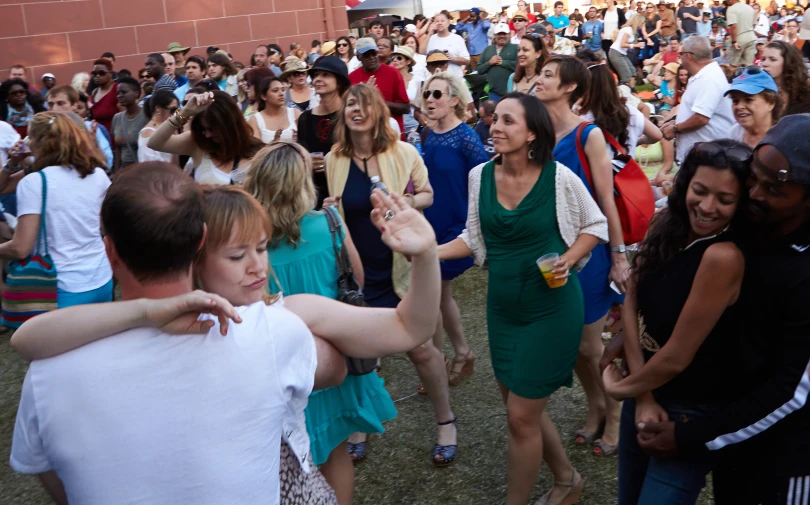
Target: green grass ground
399	468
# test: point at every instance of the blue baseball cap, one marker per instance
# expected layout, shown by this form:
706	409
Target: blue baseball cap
753	81
476	10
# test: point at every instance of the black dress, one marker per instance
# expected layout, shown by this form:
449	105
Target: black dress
315	135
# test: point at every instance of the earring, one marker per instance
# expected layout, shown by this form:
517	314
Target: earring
531	152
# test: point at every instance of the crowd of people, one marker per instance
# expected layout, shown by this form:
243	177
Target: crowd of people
376	170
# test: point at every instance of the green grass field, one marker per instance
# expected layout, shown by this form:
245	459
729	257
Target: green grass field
399	469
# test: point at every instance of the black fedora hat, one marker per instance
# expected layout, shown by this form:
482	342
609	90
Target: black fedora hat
334	66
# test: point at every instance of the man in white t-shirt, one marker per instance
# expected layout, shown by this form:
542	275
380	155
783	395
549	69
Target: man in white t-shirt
145	418
704	113
451	44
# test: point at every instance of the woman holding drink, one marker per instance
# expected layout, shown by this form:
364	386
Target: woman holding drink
524	205
330	79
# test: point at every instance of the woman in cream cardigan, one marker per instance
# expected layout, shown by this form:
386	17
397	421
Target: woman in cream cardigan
524	205
365	147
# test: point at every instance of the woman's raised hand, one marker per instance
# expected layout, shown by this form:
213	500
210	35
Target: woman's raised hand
198	103
404	229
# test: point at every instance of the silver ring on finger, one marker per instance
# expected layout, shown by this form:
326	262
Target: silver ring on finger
389	215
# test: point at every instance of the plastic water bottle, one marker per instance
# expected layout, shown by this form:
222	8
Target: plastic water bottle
376	183
415	140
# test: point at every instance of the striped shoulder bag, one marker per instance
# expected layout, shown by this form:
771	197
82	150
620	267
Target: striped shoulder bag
31	283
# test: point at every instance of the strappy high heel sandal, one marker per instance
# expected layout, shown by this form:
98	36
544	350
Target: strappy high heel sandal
447	452
467	369
572	496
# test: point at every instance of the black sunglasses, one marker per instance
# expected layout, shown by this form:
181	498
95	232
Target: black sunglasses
100	73
437	94
343	44
398	57
720	156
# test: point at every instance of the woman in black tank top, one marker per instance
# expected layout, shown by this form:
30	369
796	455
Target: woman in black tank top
682	320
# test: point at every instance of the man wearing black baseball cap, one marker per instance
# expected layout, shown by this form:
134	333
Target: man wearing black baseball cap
762	437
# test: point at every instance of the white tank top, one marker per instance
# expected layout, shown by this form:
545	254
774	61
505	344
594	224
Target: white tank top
207	173
270	135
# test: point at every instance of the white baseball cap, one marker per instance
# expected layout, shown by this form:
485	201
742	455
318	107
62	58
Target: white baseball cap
501	28
410	28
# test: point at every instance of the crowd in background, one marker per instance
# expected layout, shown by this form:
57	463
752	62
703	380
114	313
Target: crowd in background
298	178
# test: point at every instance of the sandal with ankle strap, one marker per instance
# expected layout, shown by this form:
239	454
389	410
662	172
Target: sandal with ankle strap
572	496
447	452
358	451
467	369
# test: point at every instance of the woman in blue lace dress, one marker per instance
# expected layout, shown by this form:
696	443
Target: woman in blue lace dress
451	150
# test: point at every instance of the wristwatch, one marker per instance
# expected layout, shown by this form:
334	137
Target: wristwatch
675	128
618	249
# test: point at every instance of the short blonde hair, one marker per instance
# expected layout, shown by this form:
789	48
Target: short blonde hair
457	88
229	210
281	180
78	81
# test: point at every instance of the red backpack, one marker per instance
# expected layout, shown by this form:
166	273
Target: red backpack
634	196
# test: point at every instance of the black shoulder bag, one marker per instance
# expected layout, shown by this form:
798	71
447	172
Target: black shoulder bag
349	290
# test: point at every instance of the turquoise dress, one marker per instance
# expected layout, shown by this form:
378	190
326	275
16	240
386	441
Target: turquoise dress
361	403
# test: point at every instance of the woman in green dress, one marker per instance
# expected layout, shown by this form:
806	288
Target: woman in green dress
524	205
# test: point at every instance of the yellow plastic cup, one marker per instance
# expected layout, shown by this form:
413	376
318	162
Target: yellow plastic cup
546	264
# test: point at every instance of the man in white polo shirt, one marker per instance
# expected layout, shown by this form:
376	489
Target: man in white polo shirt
704	114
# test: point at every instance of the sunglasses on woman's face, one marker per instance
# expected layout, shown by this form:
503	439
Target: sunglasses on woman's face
437	94
343	44
99	73
398	57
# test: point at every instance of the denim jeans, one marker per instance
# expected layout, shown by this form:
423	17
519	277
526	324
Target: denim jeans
649	480
650	51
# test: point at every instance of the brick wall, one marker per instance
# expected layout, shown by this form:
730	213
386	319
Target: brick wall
64	37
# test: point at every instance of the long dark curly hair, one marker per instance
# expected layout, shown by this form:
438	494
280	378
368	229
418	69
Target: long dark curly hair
794	72
670	227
